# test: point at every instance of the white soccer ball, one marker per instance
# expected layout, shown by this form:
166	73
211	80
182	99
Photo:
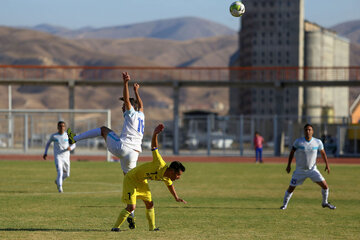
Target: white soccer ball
237	9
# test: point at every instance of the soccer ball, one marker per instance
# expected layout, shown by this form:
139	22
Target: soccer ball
237	9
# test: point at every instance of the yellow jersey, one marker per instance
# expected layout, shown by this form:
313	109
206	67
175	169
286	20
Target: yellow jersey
151	171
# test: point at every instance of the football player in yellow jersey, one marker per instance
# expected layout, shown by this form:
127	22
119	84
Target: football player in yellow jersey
135	183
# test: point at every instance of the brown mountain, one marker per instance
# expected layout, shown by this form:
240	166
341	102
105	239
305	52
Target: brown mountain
184	28
28	47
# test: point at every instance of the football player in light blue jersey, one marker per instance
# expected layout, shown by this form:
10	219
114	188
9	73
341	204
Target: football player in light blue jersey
305	150
127	146
62	150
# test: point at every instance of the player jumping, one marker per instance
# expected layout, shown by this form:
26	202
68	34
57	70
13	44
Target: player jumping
128	146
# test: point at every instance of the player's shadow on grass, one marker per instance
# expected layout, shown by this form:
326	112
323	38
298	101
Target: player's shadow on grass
191	207
49	230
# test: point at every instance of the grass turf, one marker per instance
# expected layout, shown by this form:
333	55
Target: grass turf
225	201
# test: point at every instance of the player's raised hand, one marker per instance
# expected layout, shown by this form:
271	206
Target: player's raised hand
126	77
159	128
136	86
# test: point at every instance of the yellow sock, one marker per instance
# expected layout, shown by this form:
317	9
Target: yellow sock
150	215
122	217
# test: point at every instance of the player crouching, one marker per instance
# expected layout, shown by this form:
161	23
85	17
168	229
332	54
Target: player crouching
136	185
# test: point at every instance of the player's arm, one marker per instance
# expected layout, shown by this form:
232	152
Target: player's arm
138	99
126	95
154	140
324	157
173	192
72	147
291	156
47	147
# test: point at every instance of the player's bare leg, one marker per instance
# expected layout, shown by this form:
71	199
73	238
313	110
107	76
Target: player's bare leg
325	195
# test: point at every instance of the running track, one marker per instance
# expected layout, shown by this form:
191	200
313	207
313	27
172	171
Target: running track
181	158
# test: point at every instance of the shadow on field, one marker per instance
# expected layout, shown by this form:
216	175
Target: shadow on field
49	230
191	207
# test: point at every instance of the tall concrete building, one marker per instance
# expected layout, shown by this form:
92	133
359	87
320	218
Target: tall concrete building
324	48
273	34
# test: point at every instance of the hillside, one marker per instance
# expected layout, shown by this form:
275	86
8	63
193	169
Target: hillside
186	28
23	46
350	30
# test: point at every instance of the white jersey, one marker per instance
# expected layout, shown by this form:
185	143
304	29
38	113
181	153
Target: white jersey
61	144
133	129
306	152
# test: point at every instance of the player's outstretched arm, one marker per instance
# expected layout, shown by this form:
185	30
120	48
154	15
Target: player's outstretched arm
126	95
324	157
138	98
154	140
291	156
47	147
173	192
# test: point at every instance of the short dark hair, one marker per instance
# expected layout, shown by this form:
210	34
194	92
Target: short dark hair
177	166
308	125
133	102
60	122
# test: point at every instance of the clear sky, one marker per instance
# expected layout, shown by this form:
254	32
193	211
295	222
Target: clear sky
100	13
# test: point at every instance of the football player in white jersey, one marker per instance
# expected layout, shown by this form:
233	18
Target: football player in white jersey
62	150
305	150
127	146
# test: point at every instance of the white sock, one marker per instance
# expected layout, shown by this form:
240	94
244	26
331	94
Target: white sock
287	198
133	213
96	132
325	195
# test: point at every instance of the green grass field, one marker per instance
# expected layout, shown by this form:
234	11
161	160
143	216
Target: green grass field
225	201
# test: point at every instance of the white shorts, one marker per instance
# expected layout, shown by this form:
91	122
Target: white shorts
62	165
299	176
128	157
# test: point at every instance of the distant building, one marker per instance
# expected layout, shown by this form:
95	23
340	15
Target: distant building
324	48
274	33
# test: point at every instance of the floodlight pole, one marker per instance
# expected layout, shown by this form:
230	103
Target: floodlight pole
176	93
10	125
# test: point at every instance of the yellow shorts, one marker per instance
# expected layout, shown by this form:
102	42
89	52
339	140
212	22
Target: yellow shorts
133	190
